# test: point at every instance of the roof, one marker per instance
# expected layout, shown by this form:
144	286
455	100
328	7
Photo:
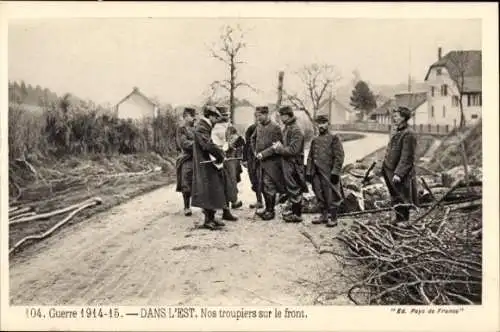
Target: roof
411	100
139	93
335	105
385	108
470	61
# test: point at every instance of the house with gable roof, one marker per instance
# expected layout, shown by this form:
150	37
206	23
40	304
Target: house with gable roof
457	73
136	106
337	112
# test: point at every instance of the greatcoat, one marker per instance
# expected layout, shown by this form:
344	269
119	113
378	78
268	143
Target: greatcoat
326	157
292	153
184	163
400	160
269	168
208	181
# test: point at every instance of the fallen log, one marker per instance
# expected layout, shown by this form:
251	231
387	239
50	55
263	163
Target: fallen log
22	215
19	211
53	213
96	201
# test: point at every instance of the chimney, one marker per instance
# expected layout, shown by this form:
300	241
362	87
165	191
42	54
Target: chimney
439	53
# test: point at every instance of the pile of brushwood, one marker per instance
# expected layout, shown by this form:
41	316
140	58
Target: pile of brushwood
437	260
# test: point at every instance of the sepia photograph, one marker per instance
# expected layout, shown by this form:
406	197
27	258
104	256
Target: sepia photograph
237	161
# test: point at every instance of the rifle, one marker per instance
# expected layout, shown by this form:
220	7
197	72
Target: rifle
366	178
213	160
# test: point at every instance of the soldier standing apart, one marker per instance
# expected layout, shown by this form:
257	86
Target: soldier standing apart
292	153
324	164
250	162
269	167
398	168
208	177
184	164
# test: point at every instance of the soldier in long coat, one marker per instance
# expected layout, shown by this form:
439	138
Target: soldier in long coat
269	166
398	167
324	165
184	163
208	176
250	161
292	153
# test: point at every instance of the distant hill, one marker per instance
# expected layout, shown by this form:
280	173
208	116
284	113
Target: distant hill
34	96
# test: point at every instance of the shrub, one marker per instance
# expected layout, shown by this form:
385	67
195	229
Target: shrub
67	128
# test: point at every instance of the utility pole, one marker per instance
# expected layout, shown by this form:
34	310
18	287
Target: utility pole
409	68
281	76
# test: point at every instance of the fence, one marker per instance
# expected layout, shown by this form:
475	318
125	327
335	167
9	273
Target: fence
440	130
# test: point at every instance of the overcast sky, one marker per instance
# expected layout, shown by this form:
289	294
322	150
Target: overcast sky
168	58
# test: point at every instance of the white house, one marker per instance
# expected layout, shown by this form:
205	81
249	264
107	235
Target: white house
336	111
417	103
382	114
136	106
456	71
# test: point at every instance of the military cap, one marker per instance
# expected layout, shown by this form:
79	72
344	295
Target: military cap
211	110
262	109
285	110
189	110
404	112
321	119
223	110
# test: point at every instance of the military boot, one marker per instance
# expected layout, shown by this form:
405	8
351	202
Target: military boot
227	215
404	219
296	215
209	220
399	215
269	213
332	220
236	205
322	219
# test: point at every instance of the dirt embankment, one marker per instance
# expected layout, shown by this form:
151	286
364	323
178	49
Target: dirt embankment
46	186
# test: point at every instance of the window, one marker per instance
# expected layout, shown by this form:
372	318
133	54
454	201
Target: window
474	116
432	91
432	111
438	72
444	90
444	111
454	101
474	100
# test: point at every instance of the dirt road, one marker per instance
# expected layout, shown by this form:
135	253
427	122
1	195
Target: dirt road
145	252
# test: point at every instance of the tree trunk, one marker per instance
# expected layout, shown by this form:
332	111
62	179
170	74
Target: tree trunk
461	108
232	88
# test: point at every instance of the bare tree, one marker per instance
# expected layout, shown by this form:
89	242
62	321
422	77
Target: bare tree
460	63
459	66
228	50
318	80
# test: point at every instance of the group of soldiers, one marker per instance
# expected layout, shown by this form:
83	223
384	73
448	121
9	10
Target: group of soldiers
209	168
